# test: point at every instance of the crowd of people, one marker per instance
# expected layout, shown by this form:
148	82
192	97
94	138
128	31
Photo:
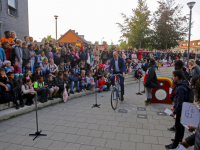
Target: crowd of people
26	69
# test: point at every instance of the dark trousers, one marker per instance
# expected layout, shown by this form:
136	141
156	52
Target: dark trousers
108	85
16	95
29	98
121	83
179	129
44	92
61	89
24	62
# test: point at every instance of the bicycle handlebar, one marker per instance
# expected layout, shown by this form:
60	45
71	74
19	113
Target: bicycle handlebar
117	74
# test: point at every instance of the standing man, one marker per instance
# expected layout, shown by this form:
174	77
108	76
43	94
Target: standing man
46	50
118	65
7	38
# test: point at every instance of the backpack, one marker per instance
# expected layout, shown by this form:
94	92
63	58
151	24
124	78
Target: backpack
105	56
190	95
12	54
5	98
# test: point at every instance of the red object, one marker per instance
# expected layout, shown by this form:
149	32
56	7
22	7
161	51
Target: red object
139	54
145	77
101	83
161	94
100	66
17	69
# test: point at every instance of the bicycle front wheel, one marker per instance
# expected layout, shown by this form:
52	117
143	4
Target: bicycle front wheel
114	99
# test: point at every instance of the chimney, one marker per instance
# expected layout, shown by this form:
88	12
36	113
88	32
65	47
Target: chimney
77	33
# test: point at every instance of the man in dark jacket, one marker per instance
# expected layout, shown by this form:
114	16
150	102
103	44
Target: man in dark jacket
53	89
181	95
60	82
46	50
151	81
83	56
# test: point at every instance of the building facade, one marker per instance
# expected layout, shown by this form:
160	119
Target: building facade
14	17
194	46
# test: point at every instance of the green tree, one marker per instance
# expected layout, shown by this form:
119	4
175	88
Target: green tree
104	42
170	26
136	27
49	38
96	43
124	45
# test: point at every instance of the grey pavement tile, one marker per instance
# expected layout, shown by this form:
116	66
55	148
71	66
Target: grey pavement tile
83	132
29	148
70	138
117	129
128	145
150	139
136	125
95	133
100	116
18	139
153	121
14	147
87	147
91	120
148	126
84	140
71	124
165	122
105	128
164	141
143	146
82	125
98	142
102	122
113	144
109	118
57	145
60	122
72	146
168	134
156	133
58	136
160	127
7	137
102	148
93	126
130	130
158	147
109	135
122	137
124	124
142	132
81	119
59	129
71	130
48	127
136	138
43	143
4	145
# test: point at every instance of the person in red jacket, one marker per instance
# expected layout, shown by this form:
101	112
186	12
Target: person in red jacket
102	83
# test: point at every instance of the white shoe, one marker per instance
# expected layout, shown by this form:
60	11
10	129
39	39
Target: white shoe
85	90
82	90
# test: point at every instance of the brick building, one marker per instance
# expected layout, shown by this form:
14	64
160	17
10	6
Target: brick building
194	45
14	17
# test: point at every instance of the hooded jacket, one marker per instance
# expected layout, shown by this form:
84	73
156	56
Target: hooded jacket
181	95
151	81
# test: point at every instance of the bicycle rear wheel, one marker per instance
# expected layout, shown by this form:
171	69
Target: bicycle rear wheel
114	99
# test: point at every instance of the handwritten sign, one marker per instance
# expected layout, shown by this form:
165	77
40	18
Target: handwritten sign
181	147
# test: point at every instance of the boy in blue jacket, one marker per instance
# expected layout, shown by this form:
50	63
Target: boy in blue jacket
181	95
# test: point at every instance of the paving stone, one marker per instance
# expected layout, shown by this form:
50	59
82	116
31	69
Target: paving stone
102	148
143	146
142	131
160	127
58	136
98	142
87	147
150	139
156	133
18	139
128	145
57	145
91	120
4	145
158	147
43	143
168	134
109	135
14	147
70	138
136	138
93	126
72	146
71	123
117	129
71	130
7	137
84	140
130	130
95	133
59	129
164	141
82	125
113	144
122	137
148	126
83	132
102	122
105	128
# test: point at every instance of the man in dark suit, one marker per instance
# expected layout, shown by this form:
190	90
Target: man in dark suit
118	66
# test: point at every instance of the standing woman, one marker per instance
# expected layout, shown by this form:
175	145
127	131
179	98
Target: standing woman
194	68
19	53
134	56
13	36
151	81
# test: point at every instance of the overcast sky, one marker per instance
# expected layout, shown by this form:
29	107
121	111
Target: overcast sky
96	19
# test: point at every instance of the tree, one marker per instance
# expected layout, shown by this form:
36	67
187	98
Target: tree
124	45
104	42
96	43
170	25
136	27
49	38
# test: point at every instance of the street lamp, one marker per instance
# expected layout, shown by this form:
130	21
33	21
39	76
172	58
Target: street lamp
190	5
101	40
56	17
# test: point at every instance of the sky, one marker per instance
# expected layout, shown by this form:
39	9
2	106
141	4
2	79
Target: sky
95	19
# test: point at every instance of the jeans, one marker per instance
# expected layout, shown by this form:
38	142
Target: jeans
103	87
18	76
82	85
45	72
72	85
148	92
121	83
44	92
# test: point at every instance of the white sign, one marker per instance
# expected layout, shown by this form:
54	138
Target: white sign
168	111
190	114
181	147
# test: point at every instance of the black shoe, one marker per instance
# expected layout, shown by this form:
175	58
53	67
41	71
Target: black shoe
68	94
45	100
170	146
71	92
59	96
78	91
42	101
22	105
172	140
99	91
54	96
17	106
28	104
50	98
171	129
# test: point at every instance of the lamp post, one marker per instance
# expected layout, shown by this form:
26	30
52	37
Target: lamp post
190	5
101	40
56	17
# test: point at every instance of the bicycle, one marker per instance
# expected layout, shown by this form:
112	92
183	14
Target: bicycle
116	92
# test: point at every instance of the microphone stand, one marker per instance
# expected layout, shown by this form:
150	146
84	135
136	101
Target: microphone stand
96	105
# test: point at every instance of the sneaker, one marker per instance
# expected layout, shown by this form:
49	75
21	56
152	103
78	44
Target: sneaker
71	92
42	101
78	91
54	96
45	100
170	147
17	106
172	140
22	105
172	129
85	90
82	90
50	98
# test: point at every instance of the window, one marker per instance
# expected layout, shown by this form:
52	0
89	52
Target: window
197	50
12	9
198	43
0	5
